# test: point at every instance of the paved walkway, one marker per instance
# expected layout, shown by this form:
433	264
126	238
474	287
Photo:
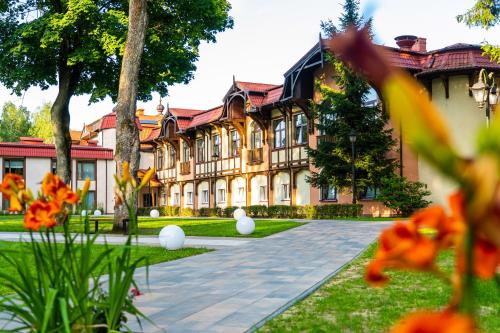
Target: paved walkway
208	242
237	288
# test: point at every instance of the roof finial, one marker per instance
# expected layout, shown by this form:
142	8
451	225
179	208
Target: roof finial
234	81
160	108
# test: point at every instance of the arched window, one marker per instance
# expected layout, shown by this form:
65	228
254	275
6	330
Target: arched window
279	133
255	136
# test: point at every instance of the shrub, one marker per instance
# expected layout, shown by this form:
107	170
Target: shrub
280	211
337	210
208	212
403	195
170	211
257	211
186	212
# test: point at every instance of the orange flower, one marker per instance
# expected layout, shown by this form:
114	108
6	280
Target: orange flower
41	214
54	188
10	188
435	322
401	246
486	259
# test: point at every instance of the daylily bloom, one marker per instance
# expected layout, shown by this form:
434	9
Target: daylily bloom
401	246
146	178
41	214
435	322
11	185
54	188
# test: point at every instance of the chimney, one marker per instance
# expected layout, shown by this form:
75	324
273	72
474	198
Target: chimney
140	112
406	42
92	143
26	140
420	45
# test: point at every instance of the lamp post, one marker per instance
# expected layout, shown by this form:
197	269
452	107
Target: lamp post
352	138
485	93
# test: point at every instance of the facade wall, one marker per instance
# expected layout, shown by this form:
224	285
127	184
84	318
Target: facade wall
35	170
238	192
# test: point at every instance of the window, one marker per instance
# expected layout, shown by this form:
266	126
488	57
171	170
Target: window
176	199
370	193
200	150
171	157
221	195
147	200
86	169
216	148
53	166
159	159
263	193
241	194
285	191
326	120
300	122
235	143
90	200
279	133
189	198
185	152
14	166
204	196
256	136
328	192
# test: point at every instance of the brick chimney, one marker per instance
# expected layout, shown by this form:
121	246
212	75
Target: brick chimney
420	45
26	140
406	42
92	143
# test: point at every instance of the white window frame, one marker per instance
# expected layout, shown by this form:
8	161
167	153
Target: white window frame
241	194
204	196
189	198
285	192
176	199
263	193
300	126
221	195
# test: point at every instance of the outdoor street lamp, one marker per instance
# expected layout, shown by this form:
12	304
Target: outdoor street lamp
485	93
352	138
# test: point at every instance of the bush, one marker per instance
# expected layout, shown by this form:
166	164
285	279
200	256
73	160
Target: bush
280	211
403	195
257	211
186	212
337	210
209	212
169	211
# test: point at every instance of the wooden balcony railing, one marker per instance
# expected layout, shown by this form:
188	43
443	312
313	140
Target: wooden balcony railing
185	168
255	156
326	138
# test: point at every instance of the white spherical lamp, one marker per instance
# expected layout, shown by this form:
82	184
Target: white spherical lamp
239	213
154	213
84	212
97	212
172	237
245	225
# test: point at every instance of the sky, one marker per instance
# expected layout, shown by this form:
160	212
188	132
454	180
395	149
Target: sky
268	37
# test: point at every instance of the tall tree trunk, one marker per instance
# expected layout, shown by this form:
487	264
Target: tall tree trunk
59	113
127	133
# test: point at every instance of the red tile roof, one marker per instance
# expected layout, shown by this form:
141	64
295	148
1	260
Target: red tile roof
206	117
109	121
254	86
18	149
154	134
178	112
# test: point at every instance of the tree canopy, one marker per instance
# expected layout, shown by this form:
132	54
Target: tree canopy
31	33
15	122
78	45
41	126
352	109
484	14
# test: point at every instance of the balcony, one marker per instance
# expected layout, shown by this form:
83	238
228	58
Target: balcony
255	156
326	138
185	168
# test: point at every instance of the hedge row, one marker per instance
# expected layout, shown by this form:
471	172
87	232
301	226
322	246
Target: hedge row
277	211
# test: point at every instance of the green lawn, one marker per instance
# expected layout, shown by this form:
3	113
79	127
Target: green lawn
212	227
154	255
347	304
